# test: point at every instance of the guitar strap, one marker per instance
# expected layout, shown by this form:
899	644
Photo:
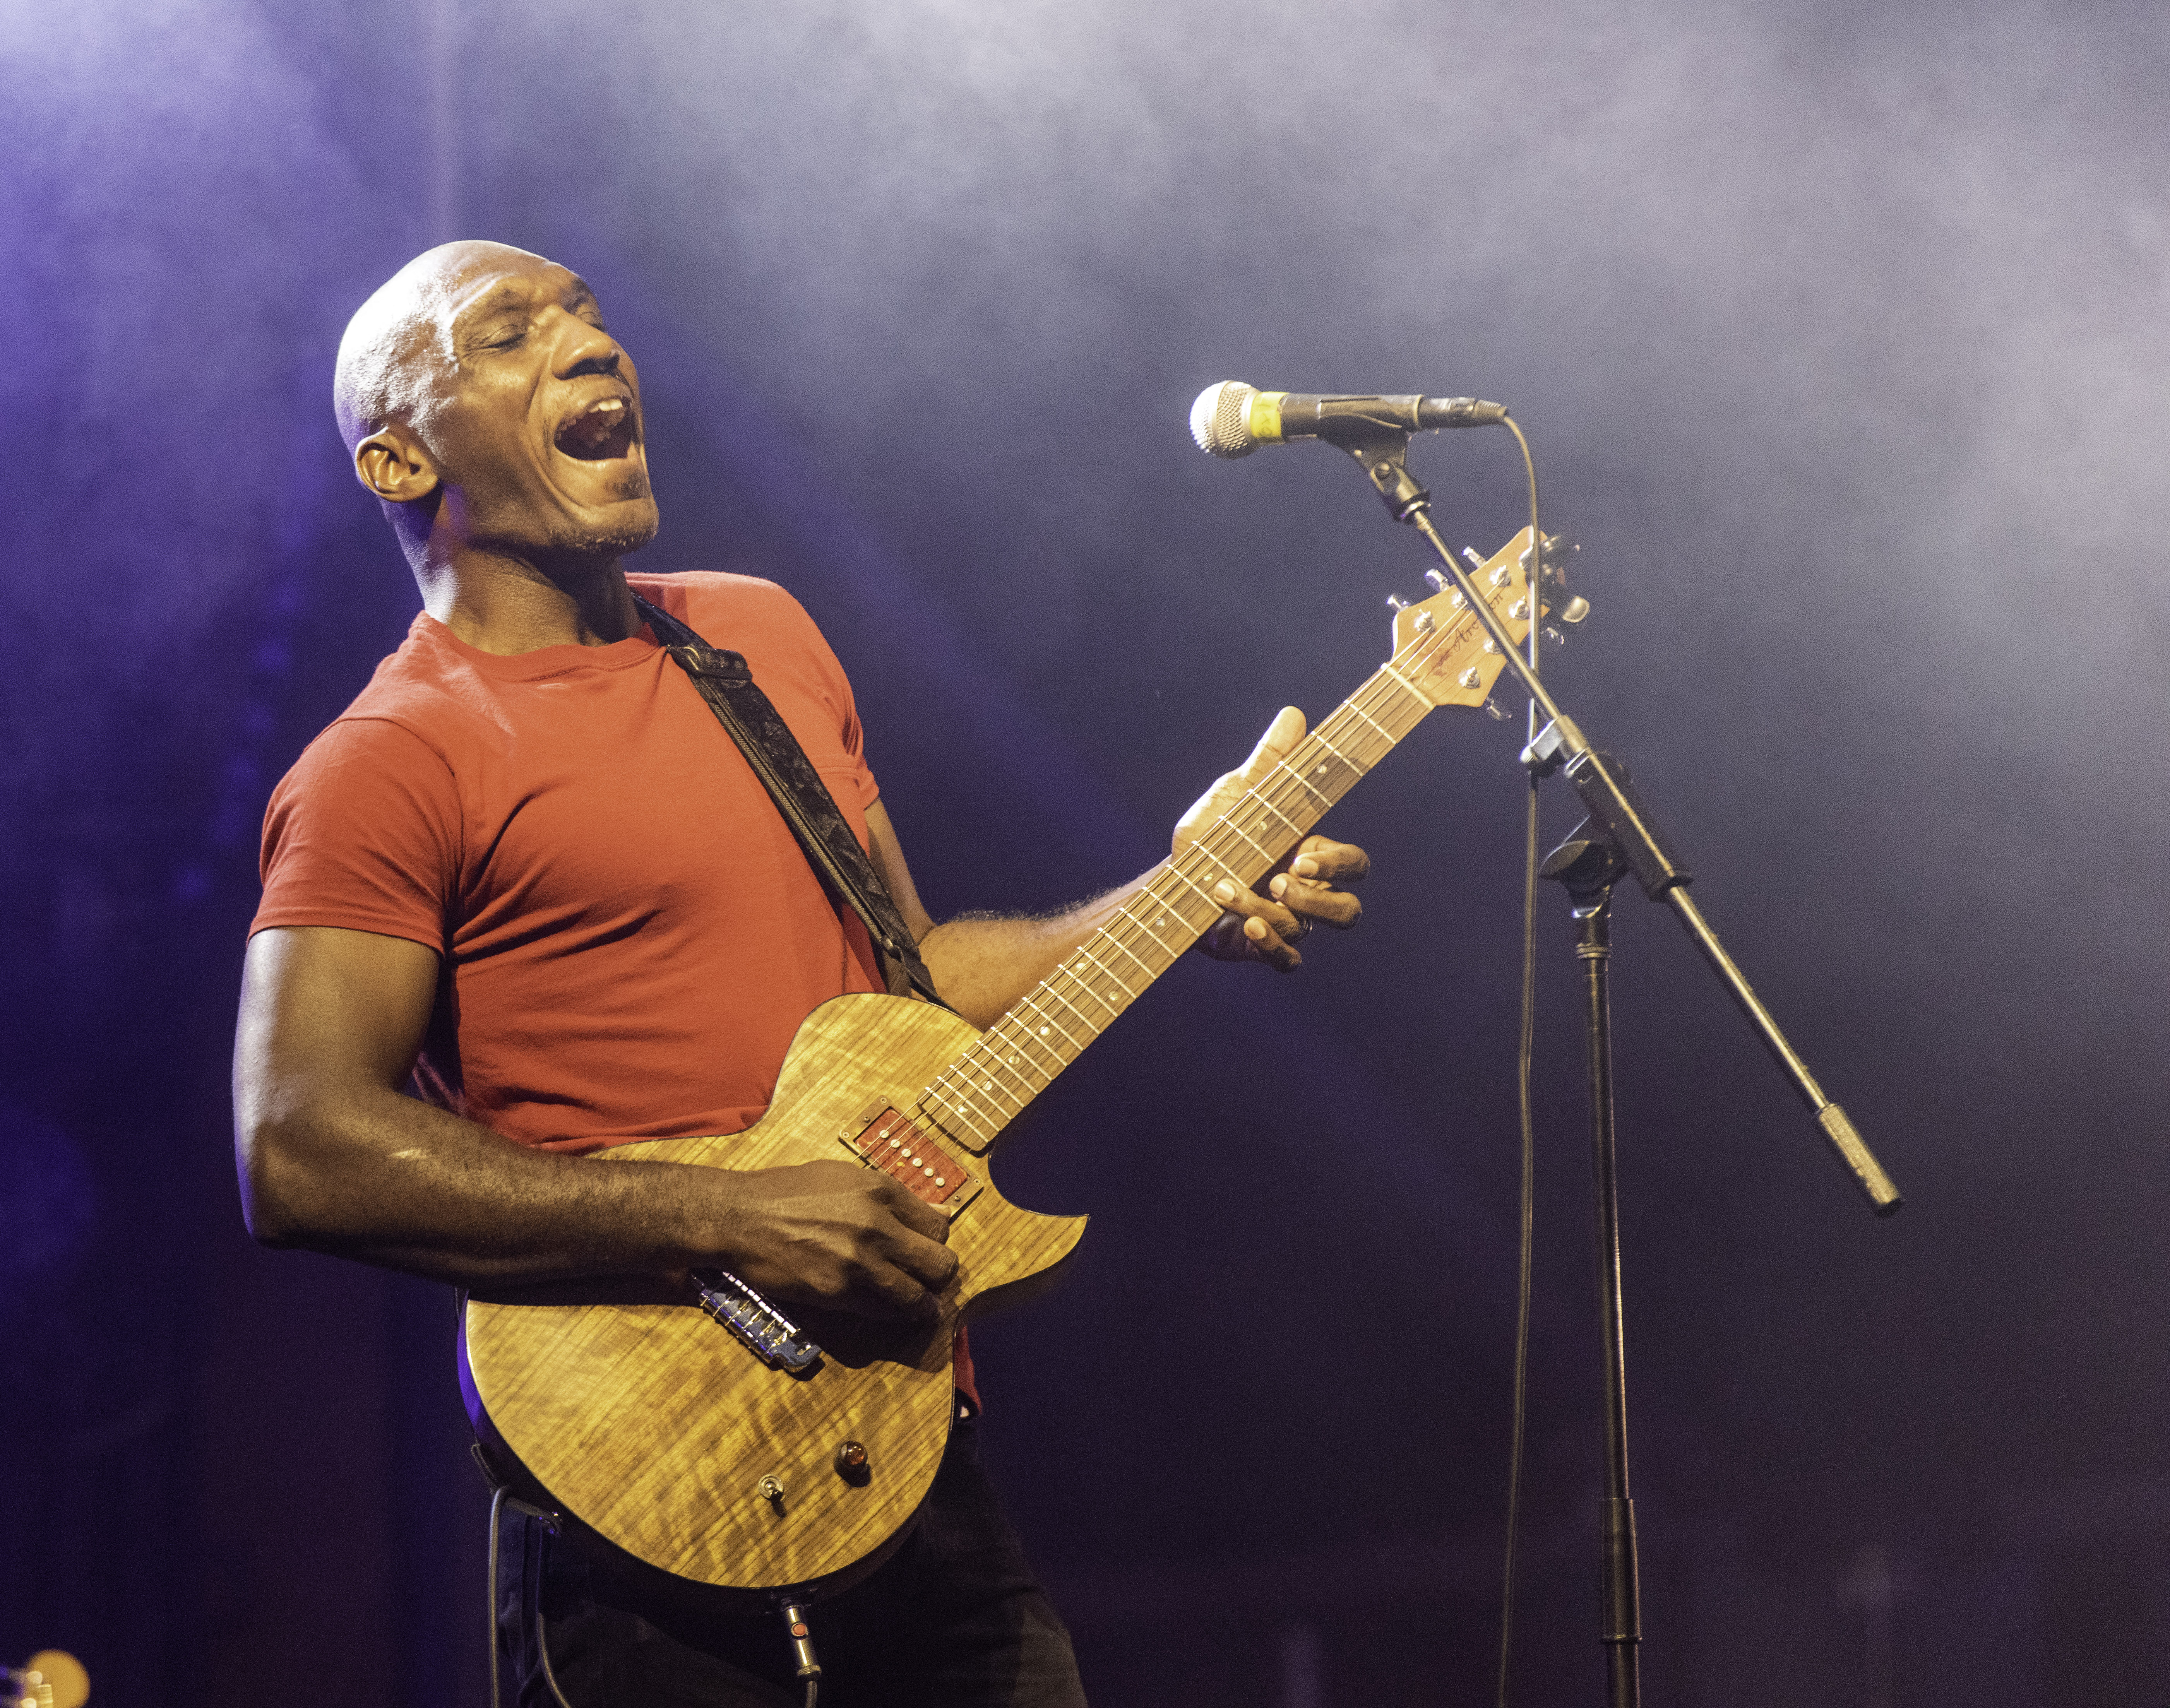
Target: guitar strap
777	759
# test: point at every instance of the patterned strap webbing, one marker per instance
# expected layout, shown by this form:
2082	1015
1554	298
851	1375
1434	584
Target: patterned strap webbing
777	759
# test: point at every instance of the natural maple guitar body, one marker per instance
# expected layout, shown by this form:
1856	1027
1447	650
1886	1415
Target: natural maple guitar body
634	1411
656	1426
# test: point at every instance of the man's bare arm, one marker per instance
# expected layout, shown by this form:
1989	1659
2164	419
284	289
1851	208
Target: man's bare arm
334	1158
982	965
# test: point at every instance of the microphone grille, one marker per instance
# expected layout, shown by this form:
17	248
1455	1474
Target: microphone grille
1219	420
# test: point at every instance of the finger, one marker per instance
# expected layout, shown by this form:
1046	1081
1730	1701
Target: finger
1270	946
1331	862
1234	937
1275	745
931	1265
883	1289
919	1216
1316	903
1251	905
1224	939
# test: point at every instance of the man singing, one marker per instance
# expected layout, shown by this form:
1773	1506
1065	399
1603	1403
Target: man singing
528	873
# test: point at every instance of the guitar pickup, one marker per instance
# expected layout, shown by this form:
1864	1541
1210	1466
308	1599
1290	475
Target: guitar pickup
764	1328
887	1141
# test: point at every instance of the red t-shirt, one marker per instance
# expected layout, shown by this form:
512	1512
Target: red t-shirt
629	933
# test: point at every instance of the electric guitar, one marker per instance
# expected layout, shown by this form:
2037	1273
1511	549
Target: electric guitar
706	1434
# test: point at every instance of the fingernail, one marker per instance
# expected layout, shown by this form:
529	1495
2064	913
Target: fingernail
1306	867
1279	886
1255	929
1224	892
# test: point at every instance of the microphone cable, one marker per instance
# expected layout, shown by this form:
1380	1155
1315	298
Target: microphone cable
1524	1055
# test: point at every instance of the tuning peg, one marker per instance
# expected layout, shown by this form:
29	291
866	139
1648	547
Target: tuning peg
1574	611
1554	636
1439	581
1395	602
1495	711
1469	557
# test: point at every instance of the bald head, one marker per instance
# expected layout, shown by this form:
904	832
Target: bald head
400	341
489	409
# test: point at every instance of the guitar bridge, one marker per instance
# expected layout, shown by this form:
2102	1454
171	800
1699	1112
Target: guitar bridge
768	1331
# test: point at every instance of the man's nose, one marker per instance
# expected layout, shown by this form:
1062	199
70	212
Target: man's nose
587	349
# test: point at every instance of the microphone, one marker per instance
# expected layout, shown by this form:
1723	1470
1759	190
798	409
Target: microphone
1234	420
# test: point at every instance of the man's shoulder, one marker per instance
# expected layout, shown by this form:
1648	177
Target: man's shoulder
416	695
715	603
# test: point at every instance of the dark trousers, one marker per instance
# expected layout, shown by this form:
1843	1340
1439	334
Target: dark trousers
955	1620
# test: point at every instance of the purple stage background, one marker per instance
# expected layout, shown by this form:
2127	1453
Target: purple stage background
1843	335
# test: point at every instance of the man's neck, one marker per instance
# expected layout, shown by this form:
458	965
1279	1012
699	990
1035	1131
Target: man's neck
505	605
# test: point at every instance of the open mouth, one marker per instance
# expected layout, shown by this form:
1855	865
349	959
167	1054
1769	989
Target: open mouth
604	429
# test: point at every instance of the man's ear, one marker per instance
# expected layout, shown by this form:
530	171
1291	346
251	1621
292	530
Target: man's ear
393	464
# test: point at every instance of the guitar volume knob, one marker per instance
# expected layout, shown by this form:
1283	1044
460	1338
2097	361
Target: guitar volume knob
852	1464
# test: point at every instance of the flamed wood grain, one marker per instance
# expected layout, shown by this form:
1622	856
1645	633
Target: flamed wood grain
655	1426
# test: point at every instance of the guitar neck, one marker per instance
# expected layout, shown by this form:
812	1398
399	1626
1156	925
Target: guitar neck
1019	1057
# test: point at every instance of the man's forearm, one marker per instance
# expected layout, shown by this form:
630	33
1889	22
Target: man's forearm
380	1178
983	963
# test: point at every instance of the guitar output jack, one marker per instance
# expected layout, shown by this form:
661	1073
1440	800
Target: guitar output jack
853	1465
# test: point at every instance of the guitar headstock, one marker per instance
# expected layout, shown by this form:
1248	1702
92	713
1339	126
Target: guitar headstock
1440	647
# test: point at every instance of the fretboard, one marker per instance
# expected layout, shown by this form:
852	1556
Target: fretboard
1019	1057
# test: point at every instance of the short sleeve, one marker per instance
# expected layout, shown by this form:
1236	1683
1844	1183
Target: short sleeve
363	834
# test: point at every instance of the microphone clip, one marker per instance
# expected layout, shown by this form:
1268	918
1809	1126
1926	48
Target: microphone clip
1384	458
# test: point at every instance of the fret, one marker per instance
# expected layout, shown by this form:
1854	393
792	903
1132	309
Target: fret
1234	877
979	1080
1129	995
1169	915
995	1043
1304	783
1032	1003
1359	738
1152	972
1415	693
1372	721
958	1087
1203	895
955	1118
1239	830
1392	668
1295	829
1049	986
986	1064
1323	768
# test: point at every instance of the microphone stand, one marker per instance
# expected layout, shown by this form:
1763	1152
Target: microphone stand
1618	839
